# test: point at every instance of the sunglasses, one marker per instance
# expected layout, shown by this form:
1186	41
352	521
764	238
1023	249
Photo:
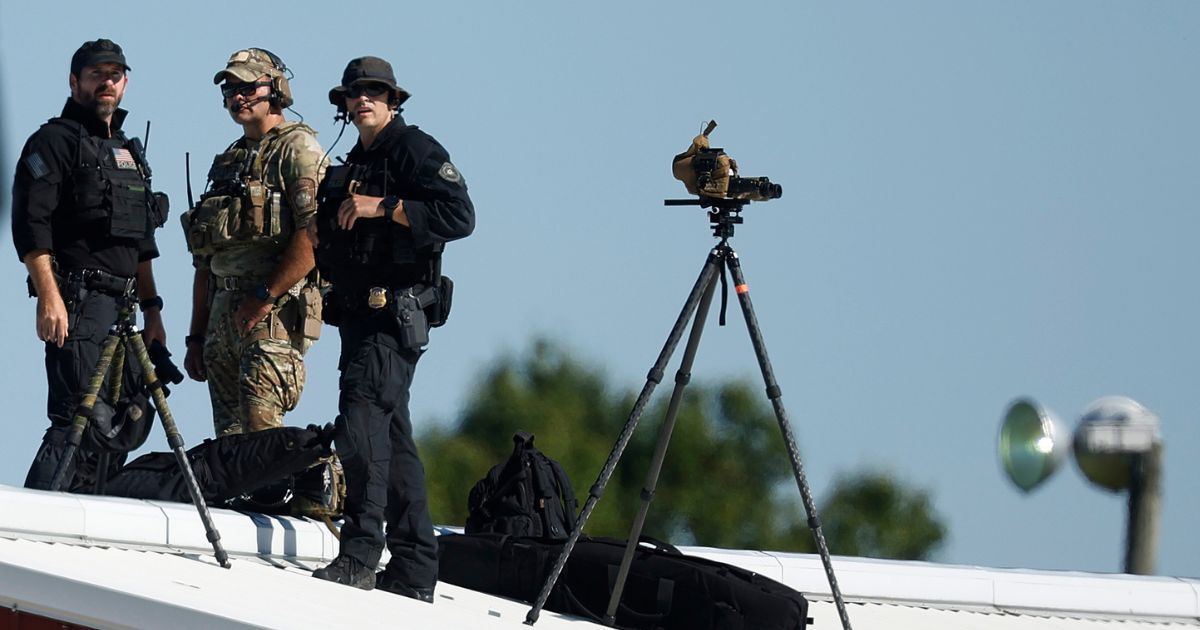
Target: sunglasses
229	90
374	90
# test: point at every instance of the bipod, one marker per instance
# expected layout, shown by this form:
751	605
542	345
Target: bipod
723	214
124	334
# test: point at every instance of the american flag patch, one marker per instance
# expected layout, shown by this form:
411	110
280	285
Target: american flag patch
124	159
36	166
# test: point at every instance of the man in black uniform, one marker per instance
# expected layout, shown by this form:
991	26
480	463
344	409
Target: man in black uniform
83	224
381	224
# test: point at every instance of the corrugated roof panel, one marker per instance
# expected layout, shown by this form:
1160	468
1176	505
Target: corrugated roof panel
1124	594
869	616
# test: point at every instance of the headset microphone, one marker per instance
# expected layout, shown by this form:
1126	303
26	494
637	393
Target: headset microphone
237	107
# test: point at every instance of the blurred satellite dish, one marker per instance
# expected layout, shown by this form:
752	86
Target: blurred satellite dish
1032	443
1112	433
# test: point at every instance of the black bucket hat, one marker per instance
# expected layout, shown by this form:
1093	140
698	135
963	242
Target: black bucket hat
364	70
96	52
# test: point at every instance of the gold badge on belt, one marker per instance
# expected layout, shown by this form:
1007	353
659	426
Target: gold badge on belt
377	297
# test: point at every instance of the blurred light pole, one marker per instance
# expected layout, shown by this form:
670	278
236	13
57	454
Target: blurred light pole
1118	446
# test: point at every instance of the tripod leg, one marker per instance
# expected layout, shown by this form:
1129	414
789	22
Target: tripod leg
118	370
84	411
707	275
776	397
175	441
114	393
660	450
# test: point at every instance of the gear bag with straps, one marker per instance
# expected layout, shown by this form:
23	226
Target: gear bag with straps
527	495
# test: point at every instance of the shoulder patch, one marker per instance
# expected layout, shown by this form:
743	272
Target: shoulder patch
37	166
450	174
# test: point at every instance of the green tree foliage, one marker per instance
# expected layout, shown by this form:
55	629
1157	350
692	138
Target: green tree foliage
871	514
726	480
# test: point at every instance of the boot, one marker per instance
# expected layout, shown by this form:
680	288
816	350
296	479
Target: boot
393	585
349	571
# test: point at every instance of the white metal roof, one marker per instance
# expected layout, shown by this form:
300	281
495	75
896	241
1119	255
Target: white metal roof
109	562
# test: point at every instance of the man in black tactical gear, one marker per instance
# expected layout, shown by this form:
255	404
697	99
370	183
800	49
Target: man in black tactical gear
383	219
83	224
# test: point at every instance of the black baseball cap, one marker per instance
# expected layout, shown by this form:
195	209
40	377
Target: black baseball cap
96	52
367	70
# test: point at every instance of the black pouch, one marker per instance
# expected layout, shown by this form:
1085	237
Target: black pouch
439	311
91	193
332	308
161	207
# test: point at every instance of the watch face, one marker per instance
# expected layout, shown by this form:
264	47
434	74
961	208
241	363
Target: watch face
262	293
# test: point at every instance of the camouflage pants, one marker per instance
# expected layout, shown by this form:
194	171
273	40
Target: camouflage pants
252	380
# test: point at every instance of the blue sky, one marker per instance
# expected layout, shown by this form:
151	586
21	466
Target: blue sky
982	200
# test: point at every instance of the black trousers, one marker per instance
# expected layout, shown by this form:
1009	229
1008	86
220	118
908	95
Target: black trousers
91	315
385	480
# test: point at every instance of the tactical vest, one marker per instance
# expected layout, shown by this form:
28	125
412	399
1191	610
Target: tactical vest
240	207
110	187
375	250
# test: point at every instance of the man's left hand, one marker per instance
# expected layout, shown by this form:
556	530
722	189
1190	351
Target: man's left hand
357	207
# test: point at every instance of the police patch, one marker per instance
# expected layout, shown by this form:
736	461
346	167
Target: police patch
37	166
450	174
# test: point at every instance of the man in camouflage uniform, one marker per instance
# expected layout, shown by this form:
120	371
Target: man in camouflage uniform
255	303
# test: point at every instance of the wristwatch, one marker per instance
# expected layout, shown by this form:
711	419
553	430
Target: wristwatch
389	205
151	302
264	294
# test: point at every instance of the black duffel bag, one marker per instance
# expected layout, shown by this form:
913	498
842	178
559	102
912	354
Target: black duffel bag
227	467
665	589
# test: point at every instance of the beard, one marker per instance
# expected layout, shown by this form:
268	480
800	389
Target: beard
91	100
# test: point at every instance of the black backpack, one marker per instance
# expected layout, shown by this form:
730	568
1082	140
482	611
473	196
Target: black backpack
527	495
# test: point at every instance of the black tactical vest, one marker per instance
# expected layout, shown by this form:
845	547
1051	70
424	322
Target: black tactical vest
376	250
110	188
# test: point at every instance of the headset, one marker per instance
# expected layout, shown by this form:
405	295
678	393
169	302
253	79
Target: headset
281	92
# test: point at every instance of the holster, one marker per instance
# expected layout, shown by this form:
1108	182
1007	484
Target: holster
408	306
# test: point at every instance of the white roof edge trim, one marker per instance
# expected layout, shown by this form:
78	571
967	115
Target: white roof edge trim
176	528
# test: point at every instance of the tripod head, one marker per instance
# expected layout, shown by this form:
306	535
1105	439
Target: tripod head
723	213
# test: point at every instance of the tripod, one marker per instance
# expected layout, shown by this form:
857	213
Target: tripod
723	214
123	334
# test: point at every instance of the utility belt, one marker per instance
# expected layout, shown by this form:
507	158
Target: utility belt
246	283
415	308
301	314
83	280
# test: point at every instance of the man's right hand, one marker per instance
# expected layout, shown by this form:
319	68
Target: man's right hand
193	362
52	319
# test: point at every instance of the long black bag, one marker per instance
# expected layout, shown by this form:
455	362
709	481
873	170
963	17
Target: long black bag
665	589
226	467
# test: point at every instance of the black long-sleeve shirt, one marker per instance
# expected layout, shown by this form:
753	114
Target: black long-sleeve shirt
409	163
419	171
44	195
